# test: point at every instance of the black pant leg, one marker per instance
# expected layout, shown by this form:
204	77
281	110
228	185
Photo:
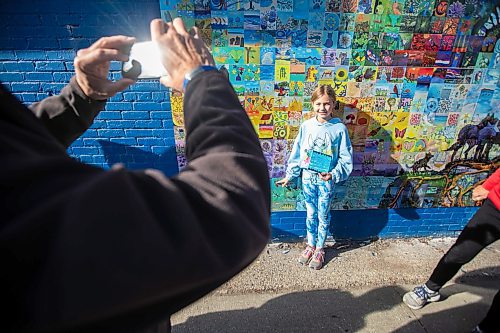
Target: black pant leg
482	230
491	322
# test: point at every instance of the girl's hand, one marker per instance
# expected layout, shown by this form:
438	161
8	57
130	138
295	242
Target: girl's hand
283	182
325	176
479	193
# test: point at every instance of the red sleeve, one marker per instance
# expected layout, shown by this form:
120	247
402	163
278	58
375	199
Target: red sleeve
492	180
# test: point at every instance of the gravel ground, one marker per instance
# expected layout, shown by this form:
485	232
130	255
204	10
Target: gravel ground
356	264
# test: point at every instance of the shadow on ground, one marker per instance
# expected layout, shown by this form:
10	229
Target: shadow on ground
480	277
346	245
314	311
378	310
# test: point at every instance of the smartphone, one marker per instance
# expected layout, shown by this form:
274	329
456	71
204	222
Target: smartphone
144	62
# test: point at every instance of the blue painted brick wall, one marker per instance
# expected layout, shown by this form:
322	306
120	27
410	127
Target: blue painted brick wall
384	223
38	42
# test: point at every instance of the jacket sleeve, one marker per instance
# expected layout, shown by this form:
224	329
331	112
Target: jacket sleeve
226	181
343	168
492	181
293	163
89	250
68	114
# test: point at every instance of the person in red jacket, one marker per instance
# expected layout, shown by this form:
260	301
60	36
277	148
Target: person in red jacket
482	230
90	250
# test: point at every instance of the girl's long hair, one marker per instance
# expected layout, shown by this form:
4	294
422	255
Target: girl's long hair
323	90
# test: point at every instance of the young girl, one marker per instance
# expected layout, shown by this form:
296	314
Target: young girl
322	152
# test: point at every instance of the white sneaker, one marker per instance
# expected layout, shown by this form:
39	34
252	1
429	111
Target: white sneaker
420	296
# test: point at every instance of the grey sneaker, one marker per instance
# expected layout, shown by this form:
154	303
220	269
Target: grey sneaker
420	296
317	259
306	255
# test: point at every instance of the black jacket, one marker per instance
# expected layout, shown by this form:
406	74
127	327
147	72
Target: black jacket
83	249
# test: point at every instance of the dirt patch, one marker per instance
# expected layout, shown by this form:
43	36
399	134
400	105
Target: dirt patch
355	264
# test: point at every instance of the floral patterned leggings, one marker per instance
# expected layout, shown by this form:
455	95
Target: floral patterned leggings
318	196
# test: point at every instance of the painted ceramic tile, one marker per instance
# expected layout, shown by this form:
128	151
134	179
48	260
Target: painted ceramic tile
267	73
365	6
285	5
268	19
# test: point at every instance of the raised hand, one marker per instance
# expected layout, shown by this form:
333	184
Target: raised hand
182	51
92	66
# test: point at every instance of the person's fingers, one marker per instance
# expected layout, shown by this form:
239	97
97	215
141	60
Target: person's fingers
99	56
205	53
82	52
112	42
179	26
100	88
158	28
199	47
193	48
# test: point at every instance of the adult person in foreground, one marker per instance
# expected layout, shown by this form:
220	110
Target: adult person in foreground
482	230
89	250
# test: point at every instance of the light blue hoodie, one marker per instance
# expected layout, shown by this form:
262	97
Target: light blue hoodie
331	140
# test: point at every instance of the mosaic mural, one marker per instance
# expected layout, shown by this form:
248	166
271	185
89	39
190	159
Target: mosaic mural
417	84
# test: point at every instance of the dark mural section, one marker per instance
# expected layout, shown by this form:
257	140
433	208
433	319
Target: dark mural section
417	86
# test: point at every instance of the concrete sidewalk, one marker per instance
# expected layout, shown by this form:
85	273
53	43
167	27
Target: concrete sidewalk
365	310
375	305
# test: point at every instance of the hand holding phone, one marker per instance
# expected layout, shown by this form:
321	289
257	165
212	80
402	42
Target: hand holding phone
181	51
92	67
